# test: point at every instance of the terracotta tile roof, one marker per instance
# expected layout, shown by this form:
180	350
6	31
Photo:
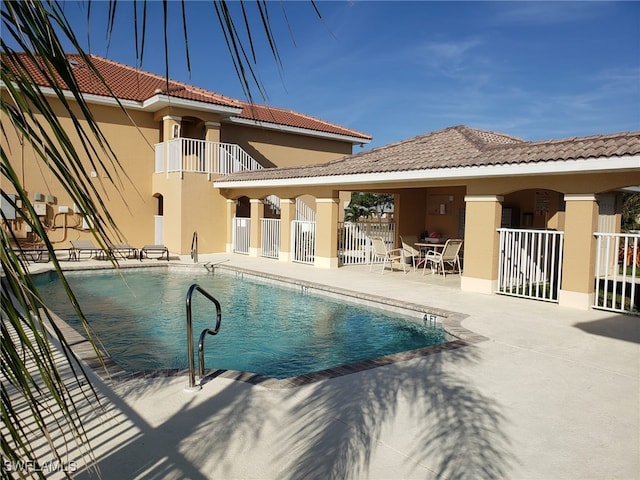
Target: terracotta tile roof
458	146
279	116
129	83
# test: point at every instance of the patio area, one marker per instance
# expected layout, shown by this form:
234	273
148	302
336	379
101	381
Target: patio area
553	393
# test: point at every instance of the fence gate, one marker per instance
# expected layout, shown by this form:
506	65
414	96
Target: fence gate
530	263
354	246
617	280
270	247
303	241
241	232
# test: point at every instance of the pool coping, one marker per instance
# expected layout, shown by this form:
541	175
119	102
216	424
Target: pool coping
109	371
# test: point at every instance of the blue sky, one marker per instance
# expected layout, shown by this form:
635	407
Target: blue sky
536	70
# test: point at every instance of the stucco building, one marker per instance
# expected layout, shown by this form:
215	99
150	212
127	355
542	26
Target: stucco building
172	140
270	182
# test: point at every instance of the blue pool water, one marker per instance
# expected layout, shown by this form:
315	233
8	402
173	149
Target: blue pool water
267	329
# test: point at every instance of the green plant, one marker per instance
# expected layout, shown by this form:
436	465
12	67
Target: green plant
33	387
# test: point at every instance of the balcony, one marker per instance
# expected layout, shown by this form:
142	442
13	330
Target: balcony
200	156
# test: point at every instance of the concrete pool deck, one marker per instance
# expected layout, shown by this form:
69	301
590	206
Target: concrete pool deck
553	393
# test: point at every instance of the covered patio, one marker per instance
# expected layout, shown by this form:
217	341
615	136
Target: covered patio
467	183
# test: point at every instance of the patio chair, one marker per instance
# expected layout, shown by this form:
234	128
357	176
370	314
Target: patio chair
380	251
160	250
450	254
78	247
410	252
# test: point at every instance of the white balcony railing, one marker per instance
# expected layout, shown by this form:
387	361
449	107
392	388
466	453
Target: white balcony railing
201	156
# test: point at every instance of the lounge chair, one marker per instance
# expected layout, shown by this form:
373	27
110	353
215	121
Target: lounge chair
160	250
380	251
78	247
124	251
450	254
32	254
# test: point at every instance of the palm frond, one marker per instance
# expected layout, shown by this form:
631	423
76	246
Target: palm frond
37	395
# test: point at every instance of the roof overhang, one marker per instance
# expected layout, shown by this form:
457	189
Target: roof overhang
556	167
160	101
298	130
151	105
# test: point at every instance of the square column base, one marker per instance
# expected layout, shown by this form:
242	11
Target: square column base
284	256
581	301
325	262
478	285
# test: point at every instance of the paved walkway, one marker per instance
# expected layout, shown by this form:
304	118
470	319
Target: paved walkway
554	393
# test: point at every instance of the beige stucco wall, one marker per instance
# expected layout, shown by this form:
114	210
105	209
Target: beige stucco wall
443	210
191	204
409	212
596	182
483	218
326	255
127	197
580	249
190	201
272	148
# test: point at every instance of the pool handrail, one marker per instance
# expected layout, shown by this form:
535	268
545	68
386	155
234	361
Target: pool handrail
194	247
192	370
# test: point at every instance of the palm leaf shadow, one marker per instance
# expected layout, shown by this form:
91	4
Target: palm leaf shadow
456	431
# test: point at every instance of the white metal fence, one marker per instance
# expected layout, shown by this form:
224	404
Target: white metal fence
270	247
354	246
241	234
530	263
617	280
303	241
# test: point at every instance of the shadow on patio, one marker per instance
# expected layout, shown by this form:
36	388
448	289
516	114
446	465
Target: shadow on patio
414	419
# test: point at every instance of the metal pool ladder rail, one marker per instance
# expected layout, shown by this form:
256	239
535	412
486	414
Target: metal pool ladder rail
207	331
194	247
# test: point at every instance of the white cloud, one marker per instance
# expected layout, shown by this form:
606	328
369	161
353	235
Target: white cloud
453	59
545	12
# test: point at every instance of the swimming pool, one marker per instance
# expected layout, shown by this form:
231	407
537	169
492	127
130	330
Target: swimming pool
266	329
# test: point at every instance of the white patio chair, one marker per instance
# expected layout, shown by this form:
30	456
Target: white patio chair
380	251
410	252
450	254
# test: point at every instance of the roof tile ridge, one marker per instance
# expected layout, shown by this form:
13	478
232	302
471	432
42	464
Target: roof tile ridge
413	139
469	135
473	135
316	119
171	81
